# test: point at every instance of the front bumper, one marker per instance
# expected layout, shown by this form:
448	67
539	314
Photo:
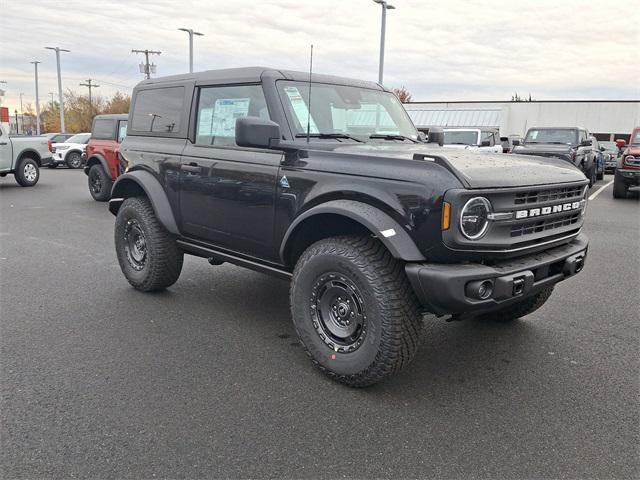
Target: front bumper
445	289
57	157
630	177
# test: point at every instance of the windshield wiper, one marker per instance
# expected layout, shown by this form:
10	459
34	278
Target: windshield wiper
328	135
392	136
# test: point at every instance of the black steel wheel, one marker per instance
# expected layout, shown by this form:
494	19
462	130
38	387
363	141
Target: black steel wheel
148	254
74	160
354	310
99	183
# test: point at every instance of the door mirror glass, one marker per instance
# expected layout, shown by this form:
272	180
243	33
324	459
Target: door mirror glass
586	143
256	132
485	143
515	143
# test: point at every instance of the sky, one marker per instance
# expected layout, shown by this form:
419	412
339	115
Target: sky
439	50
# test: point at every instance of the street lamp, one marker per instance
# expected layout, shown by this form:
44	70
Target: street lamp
58	50
35	64
191	34
385	6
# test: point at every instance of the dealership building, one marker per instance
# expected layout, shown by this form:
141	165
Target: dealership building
606	119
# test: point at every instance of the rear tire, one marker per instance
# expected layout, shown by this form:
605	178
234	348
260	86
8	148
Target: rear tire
592	176
520	309
147	253
619	188
354	310
27	172
99	183
74	160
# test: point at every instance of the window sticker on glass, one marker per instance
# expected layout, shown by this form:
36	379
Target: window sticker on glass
221	119
300	108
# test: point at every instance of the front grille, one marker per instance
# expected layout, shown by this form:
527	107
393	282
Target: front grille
533	197
543	225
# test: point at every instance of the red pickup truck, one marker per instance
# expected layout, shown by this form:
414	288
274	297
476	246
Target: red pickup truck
102	166
627	175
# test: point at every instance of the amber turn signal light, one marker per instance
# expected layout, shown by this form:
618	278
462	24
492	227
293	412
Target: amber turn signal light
446	215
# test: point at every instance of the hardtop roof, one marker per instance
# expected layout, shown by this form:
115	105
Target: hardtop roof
255	75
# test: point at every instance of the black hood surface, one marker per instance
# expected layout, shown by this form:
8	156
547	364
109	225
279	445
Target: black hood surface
478	169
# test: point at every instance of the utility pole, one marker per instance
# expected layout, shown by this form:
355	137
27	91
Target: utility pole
35	64
385	6
58	50
191	34
52	105
90	85
146	68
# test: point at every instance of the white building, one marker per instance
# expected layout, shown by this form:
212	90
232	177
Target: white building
607	119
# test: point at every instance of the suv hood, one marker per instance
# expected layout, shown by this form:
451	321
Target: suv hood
476	169
544	148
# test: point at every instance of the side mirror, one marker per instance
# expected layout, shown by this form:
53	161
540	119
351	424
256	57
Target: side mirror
485	143
256	132
436	135
515	143
585	143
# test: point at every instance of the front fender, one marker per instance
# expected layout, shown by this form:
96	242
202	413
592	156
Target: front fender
380	224
132	184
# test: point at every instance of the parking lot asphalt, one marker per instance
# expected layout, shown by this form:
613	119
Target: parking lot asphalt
207	379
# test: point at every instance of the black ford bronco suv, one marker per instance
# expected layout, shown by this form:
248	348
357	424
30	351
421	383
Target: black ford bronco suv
373	226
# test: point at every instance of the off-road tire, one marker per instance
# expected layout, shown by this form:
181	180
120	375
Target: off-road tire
99	183
73	160
592	176
393	319
163	257
619	188
520	309
27	172
600	176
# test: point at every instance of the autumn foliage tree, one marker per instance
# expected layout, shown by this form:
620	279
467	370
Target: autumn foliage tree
78	113
403	94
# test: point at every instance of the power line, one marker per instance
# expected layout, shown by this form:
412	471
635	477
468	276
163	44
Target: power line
145	67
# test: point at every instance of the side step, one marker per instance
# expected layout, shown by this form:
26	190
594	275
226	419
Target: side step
219	256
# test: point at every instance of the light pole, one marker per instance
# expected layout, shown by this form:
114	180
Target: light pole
58	50
35	64
191	34
385	6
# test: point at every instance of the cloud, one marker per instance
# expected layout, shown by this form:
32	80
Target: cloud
472	50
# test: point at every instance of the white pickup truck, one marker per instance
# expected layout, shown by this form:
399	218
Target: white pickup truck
23	156
477	139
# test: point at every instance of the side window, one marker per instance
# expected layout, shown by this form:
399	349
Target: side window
158	110
122	130
218	108
102	129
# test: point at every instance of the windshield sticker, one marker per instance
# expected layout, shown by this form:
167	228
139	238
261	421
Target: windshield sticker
220	121
300	109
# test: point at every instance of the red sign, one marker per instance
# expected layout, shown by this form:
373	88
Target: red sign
4	115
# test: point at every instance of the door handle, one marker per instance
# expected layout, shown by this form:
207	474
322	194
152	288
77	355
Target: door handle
3	143
192	167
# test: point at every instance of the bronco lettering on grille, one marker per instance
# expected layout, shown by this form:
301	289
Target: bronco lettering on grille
537	212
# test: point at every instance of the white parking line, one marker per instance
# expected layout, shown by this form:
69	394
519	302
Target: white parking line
597	192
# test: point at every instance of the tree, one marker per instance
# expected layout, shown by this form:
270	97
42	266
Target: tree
119	103
517	98
403	94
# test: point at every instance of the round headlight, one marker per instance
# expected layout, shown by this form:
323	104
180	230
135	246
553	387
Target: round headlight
474	219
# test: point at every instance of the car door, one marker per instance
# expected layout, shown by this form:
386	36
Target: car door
227	193
5	151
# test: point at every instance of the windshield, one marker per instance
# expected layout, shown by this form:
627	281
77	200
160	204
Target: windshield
635	137
460	137
609	145
552	135
79	138
341	111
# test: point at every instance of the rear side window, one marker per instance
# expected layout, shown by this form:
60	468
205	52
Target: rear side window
102	129
122	130
218	108
158	110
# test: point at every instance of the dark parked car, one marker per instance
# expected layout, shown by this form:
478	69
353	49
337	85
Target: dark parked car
102	166
598	151
627	176
570	144
610	152
372	226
